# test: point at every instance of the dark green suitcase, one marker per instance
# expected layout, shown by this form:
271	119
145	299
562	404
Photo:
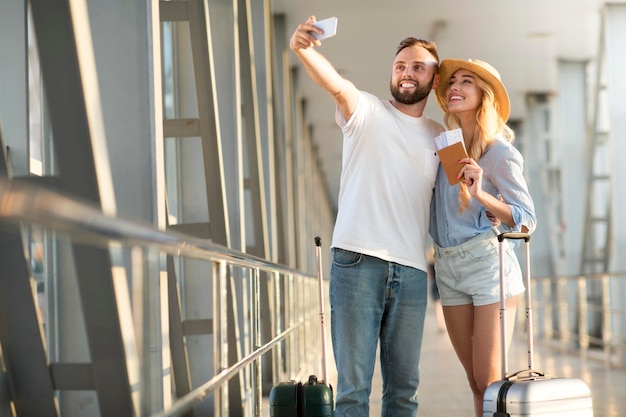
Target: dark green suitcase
296	399
316	399
284	399
313	398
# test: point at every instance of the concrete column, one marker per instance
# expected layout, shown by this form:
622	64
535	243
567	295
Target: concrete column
14	83
615	26
572	102
616	68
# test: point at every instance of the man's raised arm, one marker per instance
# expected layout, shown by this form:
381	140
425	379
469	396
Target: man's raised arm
343	92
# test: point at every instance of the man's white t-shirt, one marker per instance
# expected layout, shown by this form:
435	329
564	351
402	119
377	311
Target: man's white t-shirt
389	166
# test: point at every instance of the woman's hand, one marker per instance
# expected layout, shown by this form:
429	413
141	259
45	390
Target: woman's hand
474	179
473	174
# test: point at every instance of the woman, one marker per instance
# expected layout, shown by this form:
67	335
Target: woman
474	99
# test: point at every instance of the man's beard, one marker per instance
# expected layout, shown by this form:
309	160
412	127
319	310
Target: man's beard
420	93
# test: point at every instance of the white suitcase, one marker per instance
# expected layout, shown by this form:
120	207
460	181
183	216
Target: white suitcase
530	393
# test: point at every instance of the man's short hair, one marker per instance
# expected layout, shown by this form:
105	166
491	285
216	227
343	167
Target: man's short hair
428	45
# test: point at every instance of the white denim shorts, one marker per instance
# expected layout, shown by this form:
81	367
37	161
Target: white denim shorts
469	273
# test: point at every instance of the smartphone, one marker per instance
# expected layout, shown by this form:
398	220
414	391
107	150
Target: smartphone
329	26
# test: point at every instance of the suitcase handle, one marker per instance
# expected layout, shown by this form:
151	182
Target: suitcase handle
529	316
514	235
320	285
526	374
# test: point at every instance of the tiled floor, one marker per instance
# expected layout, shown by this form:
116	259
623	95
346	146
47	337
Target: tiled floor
444	391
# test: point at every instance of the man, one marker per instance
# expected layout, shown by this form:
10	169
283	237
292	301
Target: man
378	287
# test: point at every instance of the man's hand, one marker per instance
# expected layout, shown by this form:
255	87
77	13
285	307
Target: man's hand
302	37
494	220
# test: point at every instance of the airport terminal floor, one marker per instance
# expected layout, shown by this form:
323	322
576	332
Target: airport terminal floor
444	391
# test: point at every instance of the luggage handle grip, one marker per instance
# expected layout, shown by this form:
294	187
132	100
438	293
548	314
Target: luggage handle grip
525	374
514	235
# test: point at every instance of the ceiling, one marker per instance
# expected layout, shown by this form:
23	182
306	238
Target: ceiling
524	40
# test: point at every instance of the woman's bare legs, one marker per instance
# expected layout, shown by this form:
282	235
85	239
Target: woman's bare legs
475	336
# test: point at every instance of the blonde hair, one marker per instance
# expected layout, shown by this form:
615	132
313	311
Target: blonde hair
488	125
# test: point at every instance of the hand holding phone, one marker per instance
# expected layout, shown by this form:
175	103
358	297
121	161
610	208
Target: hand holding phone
329	26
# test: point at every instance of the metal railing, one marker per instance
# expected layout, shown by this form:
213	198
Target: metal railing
583	313
577	312
293	341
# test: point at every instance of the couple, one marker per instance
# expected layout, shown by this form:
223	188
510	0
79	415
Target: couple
391	190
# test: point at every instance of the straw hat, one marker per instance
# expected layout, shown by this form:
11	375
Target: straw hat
485	71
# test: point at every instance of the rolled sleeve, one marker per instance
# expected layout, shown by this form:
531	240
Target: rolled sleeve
514	190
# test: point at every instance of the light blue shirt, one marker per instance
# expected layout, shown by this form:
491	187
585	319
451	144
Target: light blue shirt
502	166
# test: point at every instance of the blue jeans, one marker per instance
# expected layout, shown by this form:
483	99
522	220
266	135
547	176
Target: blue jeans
372	299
